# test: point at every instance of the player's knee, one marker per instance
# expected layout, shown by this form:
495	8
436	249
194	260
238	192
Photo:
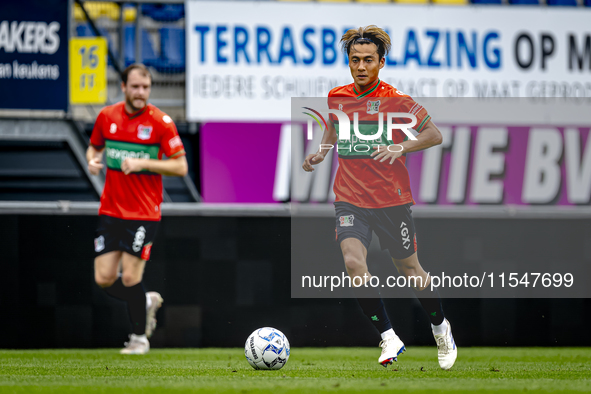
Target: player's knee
354	264
406	268
104	280
409	272
130	279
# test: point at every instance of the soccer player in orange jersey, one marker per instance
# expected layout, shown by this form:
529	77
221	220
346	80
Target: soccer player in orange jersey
373	190
134	135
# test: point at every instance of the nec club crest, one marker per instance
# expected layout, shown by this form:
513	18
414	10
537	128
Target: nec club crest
346	221
144	132
373	107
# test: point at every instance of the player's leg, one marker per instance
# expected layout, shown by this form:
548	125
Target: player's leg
355	255
447	351
354	237
421	284
106	273
396	230
397	233
369	299
107	264
106	269
131	278
138	238
107	254
136	243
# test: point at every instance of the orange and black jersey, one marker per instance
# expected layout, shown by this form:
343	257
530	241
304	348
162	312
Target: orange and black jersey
147	134
360	180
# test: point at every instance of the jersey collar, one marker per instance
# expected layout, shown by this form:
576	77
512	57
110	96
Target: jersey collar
135	114
368	91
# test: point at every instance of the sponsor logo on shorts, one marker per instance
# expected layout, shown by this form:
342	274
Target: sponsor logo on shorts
99	243
138	241
144	132
405	235
346	221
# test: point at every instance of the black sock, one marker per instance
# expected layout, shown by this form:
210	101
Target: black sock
117	290
373	307
135	296
136	304
431	303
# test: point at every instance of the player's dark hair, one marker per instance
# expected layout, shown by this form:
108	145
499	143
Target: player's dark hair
367	35
135	66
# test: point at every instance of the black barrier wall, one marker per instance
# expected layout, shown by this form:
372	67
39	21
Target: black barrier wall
223	277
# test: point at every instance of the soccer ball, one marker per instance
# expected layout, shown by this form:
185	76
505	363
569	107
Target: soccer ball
267	348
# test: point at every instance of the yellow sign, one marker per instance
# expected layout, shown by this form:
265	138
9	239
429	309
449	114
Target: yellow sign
88	70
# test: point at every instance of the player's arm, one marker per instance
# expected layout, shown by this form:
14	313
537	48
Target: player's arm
174	166
94	158
428	137
329	138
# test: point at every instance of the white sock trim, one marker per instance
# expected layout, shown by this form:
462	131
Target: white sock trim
440	329
388	334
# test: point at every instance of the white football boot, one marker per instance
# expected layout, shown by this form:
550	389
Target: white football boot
136	345
157	301
391	348
447	351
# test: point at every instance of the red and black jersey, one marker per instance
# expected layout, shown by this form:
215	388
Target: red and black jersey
361	180
147	134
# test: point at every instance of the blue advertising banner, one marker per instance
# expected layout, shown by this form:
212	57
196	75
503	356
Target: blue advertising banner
34	54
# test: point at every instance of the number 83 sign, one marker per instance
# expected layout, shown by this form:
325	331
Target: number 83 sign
88	70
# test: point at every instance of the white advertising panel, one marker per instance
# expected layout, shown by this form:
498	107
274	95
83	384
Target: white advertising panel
247	59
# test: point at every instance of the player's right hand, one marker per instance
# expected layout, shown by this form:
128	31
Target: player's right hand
95	166
312	159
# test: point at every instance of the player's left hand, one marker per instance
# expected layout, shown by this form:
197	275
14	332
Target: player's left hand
382	153
130	165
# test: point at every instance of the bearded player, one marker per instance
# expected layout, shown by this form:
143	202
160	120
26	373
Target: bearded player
373	189
136	135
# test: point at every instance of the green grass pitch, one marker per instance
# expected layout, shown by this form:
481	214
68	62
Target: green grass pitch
308	370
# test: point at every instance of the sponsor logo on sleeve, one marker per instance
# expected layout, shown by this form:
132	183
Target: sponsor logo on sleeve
175	142
415	109
166	119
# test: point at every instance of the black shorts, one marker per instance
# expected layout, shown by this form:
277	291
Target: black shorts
131	236
394	227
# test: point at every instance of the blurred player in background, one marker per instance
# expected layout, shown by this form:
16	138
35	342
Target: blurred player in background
373	190
136	135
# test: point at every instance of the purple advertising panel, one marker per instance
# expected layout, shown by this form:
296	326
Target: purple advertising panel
238	161
477	164
499	164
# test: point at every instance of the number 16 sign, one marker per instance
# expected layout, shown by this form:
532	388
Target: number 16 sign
88	70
